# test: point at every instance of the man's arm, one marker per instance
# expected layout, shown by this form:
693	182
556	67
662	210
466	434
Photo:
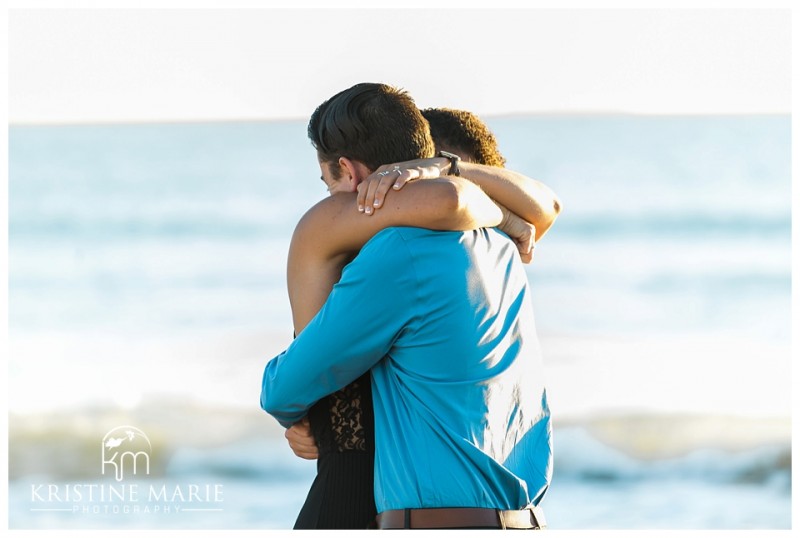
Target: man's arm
353	331
331	233
531	200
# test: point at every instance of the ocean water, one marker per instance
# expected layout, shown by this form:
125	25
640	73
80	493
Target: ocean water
147	286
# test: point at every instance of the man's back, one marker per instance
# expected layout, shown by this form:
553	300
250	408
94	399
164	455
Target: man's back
461	414
444	320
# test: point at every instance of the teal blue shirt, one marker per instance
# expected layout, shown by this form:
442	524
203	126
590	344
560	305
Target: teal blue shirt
445	323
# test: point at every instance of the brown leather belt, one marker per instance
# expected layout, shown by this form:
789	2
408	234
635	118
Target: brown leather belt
455	518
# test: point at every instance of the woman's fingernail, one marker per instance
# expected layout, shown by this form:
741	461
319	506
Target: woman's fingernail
360	208
376	203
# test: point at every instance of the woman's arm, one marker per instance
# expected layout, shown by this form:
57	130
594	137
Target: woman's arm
532	200
520	231
330	234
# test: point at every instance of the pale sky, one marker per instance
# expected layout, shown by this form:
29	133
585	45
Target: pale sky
89	65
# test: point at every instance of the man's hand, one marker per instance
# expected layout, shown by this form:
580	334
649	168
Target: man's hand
523	233
372	191
301	441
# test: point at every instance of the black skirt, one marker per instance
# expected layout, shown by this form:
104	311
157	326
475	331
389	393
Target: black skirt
342	494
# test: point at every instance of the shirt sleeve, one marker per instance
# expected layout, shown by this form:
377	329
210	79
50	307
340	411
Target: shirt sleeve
355	329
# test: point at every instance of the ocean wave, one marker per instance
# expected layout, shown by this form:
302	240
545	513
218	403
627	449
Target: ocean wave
248	446
716	222
580	456
122	230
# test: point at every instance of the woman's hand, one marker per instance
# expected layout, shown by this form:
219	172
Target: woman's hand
520	231
301	441
372	191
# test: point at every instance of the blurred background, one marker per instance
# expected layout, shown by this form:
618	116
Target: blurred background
158	164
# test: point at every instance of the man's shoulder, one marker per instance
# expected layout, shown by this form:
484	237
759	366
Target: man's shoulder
410	234
401	241
391	235
404	244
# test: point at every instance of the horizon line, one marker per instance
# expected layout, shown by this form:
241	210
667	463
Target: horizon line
210	120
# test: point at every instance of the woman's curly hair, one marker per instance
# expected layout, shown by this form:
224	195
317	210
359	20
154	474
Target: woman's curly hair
462	132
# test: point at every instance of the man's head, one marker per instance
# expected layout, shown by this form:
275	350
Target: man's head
363	127
464	134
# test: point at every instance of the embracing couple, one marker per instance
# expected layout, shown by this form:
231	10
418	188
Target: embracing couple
415	378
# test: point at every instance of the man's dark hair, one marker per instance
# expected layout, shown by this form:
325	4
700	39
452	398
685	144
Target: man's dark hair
372	123
462	132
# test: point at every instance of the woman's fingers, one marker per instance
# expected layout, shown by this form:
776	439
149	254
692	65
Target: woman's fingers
373	190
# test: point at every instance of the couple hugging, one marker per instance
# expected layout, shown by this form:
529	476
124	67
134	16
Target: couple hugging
415	378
